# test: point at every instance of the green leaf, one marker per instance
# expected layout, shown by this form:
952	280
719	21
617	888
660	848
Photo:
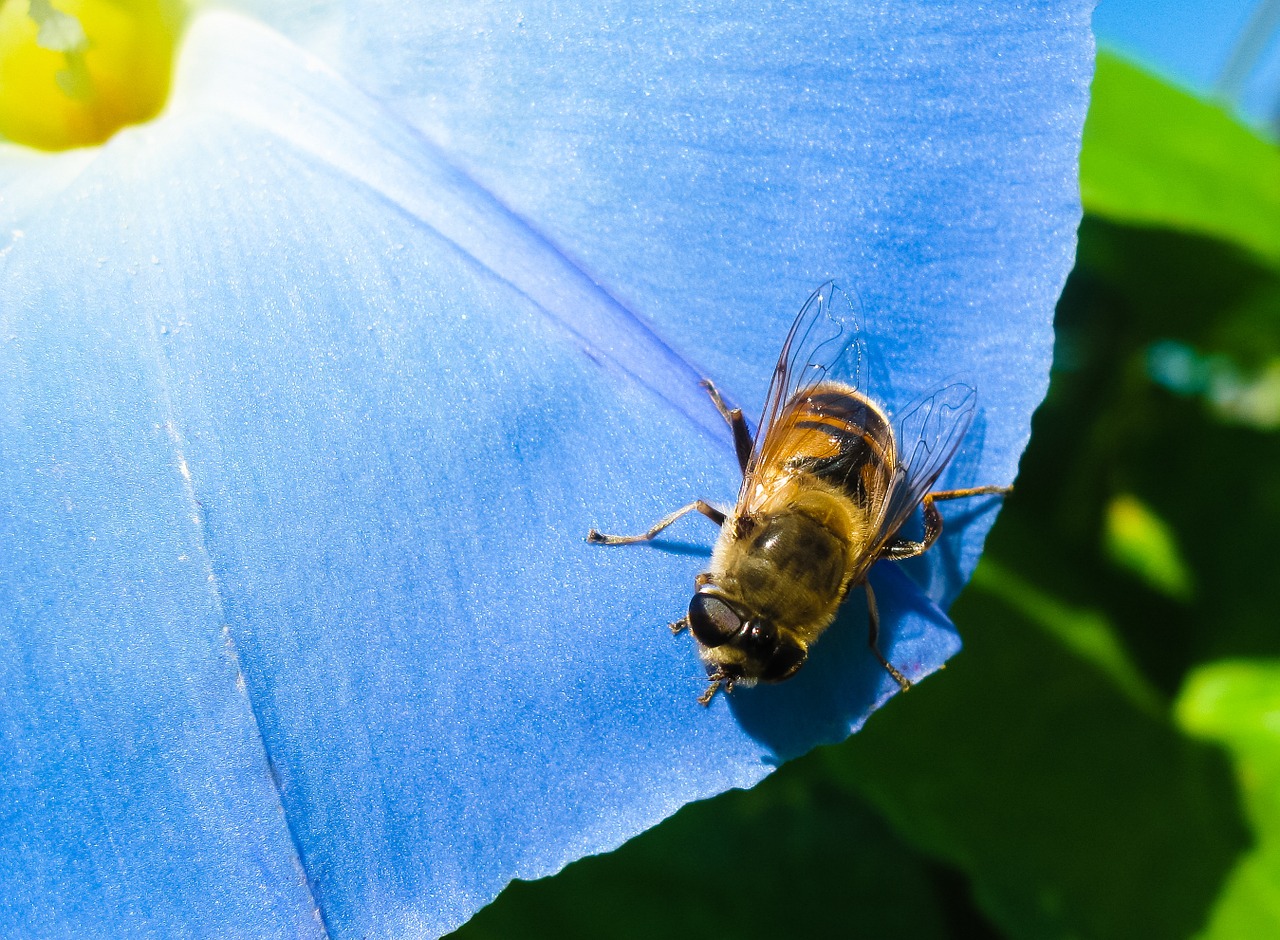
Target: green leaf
1154	155
1075	812
1238	704
1138	539
1086	633
795	856
1115	425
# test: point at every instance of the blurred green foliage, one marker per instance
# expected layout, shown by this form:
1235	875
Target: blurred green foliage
1103	759
1238	703
1157	156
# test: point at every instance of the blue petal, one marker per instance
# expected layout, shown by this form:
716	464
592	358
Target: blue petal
302	429
712	164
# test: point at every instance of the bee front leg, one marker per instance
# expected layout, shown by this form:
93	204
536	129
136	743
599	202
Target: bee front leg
741	433
873	626
715	515
718	678
705	698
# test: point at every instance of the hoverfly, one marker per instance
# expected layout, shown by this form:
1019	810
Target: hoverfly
827	482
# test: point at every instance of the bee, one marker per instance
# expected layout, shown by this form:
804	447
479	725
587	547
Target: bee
827	482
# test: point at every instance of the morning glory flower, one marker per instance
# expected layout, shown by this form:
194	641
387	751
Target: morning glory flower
311	386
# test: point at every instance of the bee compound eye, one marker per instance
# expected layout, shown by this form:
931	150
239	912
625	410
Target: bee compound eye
784	662
760	637
713	621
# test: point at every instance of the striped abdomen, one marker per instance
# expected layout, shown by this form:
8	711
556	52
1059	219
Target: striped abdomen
840	436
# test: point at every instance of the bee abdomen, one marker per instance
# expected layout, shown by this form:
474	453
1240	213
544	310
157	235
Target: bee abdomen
842	437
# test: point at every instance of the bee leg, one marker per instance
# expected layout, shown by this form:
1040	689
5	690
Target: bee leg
715	515
705	698
741	433
873	624
901	549
718	679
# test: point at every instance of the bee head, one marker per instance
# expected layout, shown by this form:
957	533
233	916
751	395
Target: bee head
740	643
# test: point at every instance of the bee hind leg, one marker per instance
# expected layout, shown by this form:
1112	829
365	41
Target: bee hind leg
715	515
873	638
902	549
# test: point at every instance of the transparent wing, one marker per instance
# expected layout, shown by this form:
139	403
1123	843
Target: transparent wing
929	433
825	343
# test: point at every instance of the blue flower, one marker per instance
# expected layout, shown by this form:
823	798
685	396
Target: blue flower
311	388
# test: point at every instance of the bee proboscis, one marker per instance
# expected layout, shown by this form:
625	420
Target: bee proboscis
827	483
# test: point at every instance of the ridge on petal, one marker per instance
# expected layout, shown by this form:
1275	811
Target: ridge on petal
236	65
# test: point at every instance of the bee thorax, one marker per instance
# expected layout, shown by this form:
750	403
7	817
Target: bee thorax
791	567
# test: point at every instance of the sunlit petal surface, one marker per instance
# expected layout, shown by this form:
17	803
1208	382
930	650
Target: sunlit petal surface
711	165
307	400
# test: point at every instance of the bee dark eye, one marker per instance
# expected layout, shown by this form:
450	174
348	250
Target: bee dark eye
712	620
758	638
784	662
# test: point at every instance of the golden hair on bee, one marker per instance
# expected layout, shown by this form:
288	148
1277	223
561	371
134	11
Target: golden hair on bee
827	483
